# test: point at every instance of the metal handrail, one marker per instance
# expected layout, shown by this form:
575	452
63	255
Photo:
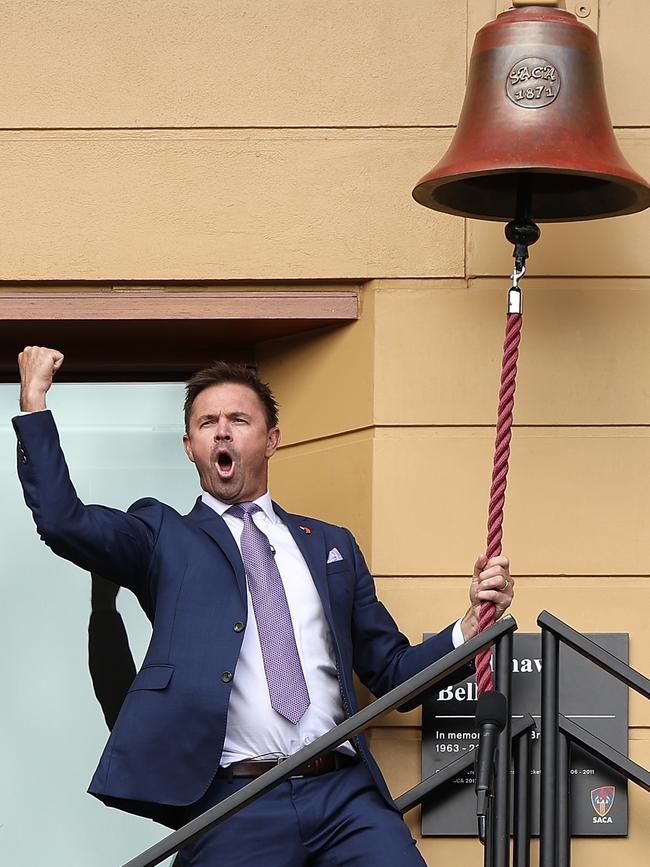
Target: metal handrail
412	687
609	756
558	733
594	653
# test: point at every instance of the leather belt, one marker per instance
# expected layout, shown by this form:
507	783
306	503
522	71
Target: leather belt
323	765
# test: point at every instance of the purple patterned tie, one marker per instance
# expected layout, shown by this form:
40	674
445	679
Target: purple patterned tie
284	674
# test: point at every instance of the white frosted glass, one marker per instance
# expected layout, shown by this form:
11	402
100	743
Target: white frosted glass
122	441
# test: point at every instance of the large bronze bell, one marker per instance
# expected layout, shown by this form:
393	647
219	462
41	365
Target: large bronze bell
534	112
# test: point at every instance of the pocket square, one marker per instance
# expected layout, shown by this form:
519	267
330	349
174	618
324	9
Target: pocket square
334	556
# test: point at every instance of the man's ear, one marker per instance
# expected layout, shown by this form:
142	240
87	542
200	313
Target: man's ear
272	441
188	447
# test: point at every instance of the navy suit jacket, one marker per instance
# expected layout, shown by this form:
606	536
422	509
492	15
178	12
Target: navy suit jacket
187	573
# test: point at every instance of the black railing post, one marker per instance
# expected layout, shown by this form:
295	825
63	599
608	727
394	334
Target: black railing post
521	822
503	680
550	710
563	801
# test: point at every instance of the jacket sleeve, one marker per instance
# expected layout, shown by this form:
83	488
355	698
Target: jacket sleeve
383	656
115	544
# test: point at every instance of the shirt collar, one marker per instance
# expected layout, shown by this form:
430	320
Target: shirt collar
264	502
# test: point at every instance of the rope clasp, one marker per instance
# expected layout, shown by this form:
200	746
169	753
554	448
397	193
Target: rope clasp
521	232
514	295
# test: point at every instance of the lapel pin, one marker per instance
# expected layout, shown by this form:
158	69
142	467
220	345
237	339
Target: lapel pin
306	530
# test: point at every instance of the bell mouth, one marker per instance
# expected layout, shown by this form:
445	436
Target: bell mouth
556	196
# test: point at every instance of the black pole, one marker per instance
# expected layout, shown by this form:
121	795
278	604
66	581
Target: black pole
503	679
550	710
488	846
521	823
563	802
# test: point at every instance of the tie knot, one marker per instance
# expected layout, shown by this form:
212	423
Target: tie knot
240	510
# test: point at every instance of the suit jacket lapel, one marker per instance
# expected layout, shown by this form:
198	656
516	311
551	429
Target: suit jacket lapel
215	526
310	540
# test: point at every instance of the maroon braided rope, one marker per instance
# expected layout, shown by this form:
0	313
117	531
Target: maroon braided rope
499	481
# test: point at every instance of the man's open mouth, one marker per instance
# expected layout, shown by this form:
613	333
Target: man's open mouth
225	464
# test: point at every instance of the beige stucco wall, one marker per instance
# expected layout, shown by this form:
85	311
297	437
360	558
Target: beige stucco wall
149	140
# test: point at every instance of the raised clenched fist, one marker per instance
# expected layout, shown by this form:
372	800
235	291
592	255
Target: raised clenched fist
37	365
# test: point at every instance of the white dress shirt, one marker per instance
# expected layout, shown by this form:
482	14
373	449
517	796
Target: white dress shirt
254	729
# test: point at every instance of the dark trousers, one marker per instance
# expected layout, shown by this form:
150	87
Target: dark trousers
333	819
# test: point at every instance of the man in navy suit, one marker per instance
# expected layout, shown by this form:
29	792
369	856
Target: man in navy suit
259	620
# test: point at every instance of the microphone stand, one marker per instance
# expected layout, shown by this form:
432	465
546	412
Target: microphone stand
486	828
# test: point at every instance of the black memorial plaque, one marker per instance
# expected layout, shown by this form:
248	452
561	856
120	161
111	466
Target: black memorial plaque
588	696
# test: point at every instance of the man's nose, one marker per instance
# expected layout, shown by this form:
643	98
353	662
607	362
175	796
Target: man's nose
222	430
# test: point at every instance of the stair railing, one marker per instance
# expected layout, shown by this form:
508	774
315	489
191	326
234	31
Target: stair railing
558	733
496	634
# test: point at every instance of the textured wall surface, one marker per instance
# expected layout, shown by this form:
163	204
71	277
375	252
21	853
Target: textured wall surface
246	141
